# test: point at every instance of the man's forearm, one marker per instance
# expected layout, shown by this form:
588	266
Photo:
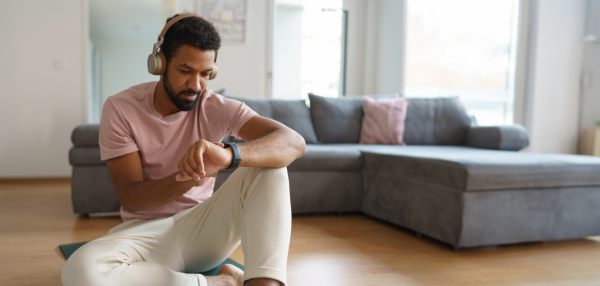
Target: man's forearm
276	150
147	195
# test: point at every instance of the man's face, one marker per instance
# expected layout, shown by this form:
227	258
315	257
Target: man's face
187	75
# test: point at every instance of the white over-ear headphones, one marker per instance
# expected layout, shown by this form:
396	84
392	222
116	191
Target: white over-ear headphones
157	62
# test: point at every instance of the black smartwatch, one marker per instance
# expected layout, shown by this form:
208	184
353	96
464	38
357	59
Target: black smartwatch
237	158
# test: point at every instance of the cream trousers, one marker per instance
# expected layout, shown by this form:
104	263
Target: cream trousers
252	205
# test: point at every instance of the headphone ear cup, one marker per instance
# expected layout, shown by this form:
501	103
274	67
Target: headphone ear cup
156	64
213	74
151	64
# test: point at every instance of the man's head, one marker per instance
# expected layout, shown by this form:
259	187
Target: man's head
192	31
190	48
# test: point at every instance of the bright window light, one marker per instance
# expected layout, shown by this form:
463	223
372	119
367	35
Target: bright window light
321	47
308	48
464	48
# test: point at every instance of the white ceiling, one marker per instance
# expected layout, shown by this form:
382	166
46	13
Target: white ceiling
138	20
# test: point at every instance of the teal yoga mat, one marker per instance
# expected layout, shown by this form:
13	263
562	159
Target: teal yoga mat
68	249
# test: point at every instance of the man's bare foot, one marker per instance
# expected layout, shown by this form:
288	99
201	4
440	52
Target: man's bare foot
229	275
231	270
263	282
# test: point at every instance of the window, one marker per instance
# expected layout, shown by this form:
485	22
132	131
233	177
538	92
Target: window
308	48
464	48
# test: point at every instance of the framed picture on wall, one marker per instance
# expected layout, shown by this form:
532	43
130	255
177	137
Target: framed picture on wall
228	16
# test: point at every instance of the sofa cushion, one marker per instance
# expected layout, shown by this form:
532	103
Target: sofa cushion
435	121
295	115
470	169
329	157
86	135
383	120
82	156
338	120
292	113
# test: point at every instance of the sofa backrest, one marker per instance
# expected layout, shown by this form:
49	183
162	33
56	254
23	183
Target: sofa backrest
293	113
436	121
429	121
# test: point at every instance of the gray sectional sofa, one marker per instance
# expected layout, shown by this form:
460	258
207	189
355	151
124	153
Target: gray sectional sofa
464	185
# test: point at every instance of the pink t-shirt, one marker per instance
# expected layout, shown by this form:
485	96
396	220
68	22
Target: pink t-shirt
130	123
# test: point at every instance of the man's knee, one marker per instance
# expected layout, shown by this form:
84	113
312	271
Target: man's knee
76	272
269	173
277	178
86	267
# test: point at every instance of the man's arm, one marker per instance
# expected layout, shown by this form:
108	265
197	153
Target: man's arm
134	193
269	144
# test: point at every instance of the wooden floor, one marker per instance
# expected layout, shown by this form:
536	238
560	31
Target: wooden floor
35	217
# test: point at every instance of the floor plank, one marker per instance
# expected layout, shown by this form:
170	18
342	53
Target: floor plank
36	216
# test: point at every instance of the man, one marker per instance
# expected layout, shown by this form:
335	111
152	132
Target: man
160	141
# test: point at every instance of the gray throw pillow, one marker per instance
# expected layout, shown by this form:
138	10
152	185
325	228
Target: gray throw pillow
296	115
292	113
338	120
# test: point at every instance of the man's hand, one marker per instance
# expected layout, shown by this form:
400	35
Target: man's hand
203	159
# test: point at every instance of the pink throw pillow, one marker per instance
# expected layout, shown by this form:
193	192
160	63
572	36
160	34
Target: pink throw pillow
383	120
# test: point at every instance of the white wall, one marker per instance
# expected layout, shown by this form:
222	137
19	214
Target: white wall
371	41
242	65
43	85
555	64
375	59
355	57
590	96
390	48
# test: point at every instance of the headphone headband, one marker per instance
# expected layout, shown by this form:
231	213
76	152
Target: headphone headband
173	21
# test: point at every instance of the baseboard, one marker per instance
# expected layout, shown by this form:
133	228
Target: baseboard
35	180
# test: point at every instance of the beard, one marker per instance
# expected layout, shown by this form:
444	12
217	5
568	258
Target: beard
177	99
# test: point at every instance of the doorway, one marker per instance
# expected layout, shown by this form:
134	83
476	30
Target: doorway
122	33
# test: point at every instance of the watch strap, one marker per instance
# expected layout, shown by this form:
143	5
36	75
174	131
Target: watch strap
237	158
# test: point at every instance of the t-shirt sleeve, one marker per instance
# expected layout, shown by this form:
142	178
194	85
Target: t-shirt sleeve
232	114
244	113
116	138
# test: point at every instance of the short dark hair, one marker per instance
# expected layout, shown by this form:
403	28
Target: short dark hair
192	31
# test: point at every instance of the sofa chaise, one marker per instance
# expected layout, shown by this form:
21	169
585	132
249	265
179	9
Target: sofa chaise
459	183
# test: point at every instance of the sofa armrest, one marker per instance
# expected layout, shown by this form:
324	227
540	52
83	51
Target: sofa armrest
506	137
86	135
